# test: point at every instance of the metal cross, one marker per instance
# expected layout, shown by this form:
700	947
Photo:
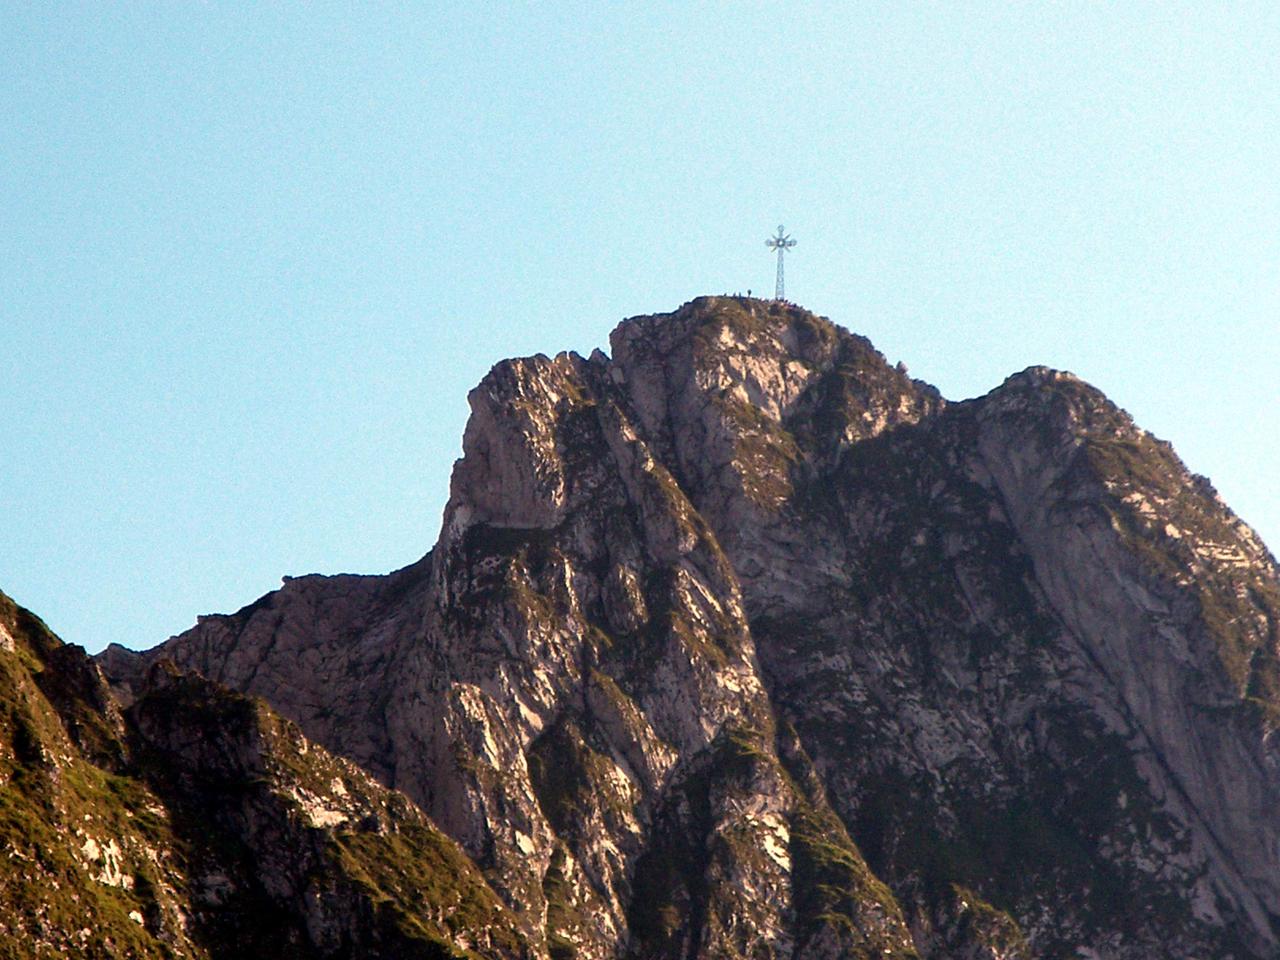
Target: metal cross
782	243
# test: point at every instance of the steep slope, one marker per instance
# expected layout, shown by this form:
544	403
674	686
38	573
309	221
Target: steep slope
1067	736
197	823
743	643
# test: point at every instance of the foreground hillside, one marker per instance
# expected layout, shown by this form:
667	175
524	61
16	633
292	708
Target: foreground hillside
194	822
741	643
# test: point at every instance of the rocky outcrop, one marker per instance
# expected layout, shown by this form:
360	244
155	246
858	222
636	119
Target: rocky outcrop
740	642
196	823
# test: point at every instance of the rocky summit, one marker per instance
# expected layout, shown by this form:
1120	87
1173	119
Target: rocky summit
736	643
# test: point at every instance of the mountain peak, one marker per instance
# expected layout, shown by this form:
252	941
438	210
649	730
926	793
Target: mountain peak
740	641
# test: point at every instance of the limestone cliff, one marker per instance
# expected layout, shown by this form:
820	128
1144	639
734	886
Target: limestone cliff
741	643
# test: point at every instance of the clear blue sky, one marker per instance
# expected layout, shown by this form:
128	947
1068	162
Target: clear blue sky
252	257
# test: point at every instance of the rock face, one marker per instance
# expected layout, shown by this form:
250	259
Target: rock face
741	643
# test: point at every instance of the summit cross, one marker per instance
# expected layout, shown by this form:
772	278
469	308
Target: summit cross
782	243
